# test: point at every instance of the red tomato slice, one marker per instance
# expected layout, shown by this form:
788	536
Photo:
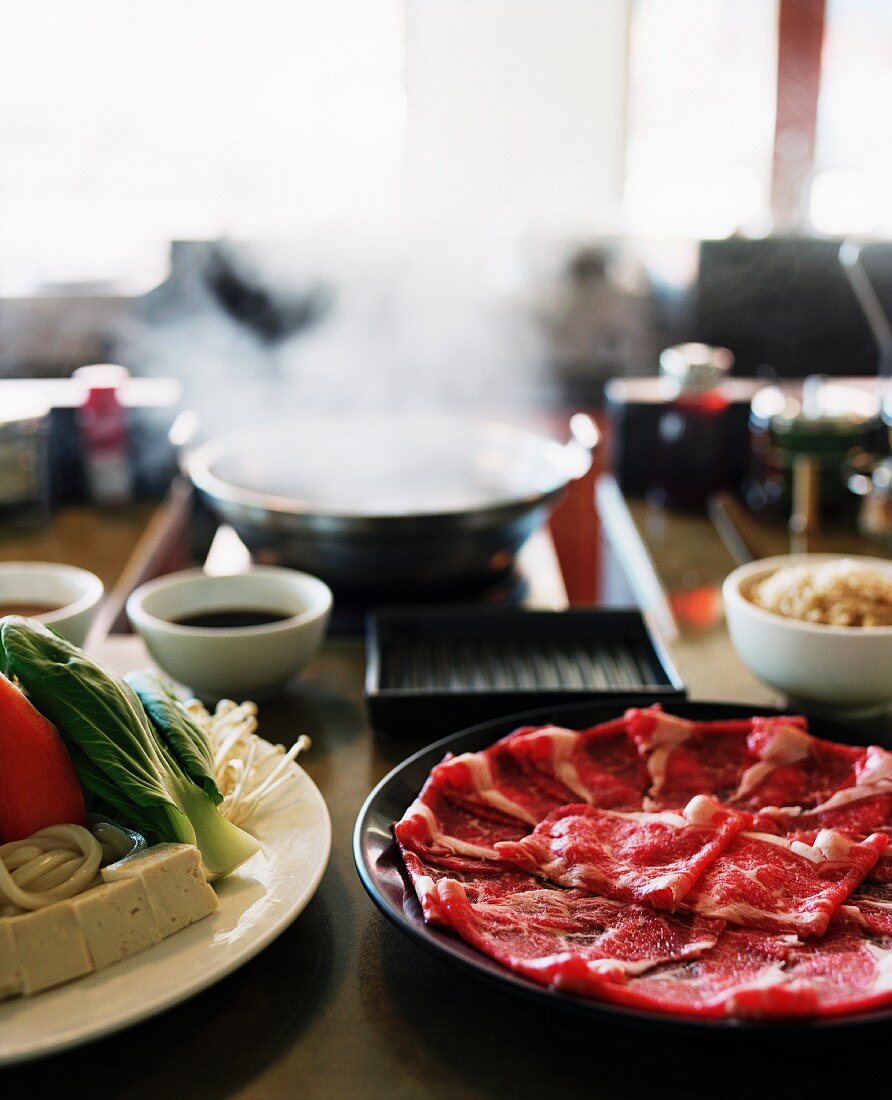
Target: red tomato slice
38	783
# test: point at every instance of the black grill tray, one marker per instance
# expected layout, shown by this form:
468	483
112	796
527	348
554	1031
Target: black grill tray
437	670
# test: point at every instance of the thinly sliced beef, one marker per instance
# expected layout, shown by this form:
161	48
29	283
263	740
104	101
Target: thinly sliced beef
644	857
857	810
449	836
856	818
600	765
759	975
869	907
778	885
491	784
846	970
688	758
743	975
771	849
792	768
480	884
568	939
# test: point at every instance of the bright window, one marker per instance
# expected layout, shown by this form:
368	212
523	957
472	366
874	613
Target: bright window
701	116
125	124
851	191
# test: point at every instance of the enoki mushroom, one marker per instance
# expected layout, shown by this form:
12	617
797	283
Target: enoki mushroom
244	773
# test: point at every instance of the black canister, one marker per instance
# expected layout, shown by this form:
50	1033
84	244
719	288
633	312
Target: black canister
692	457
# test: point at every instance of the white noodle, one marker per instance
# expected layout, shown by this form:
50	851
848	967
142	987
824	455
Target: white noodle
244	776
54	864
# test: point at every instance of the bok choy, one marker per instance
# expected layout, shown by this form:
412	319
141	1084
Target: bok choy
187	743
118	756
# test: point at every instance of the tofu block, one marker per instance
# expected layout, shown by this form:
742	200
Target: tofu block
174	883
10	972
144	898
51	947
117	921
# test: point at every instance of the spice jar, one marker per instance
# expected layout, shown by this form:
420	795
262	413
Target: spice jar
692	456
823	423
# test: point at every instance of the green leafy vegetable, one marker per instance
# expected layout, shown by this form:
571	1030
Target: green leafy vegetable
186	741
116	752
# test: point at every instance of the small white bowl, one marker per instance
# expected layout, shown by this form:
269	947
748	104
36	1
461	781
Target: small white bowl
238	662
840	668
73	593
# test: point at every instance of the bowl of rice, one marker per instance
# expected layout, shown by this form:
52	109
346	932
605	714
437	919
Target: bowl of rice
818	627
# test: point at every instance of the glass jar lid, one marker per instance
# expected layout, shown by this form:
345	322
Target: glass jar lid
696	366
822	409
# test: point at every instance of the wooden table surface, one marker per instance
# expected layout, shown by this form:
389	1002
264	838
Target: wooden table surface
100	541
342	1004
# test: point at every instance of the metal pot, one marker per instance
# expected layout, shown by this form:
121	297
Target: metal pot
374	505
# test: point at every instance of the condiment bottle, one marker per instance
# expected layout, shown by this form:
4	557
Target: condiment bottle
103	424
692	458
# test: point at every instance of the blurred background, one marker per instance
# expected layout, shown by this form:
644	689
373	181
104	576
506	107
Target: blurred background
277	209
440	201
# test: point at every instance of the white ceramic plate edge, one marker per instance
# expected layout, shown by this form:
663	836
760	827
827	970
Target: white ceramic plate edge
256	905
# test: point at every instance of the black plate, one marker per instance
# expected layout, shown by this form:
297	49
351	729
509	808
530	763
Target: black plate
383	874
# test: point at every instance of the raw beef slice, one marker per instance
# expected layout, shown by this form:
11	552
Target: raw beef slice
780	885
750	974
792	768
568	939
448	835
743	975
644	857
492	784
685	758
600	765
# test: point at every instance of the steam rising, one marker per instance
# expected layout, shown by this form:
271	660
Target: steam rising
414	331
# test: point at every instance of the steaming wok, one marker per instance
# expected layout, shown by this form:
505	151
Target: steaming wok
378	505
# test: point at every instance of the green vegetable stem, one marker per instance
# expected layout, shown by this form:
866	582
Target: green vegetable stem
116	750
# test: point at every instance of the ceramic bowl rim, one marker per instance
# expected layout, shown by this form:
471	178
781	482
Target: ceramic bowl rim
94	589
320	604
733	595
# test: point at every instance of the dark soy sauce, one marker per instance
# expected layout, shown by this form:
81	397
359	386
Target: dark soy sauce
225	618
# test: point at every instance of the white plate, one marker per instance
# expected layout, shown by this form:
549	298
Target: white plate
256	904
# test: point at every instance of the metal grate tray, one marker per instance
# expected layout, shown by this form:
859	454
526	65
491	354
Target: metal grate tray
434	670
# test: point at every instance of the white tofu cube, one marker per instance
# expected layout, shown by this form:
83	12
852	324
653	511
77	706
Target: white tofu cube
117	921
51	947
173	881
10	972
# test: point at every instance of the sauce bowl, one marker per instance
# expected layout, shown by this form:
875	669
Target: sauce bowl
71	595
239	661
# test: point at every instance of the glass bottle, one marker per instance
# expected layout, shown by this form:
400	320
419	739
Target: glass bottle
691	456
